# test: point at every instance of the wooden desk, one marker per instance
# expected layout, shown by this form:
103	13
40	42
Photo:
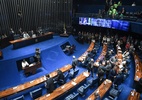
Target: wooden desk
102	89
64	88
138	67
1	54
83	56
30	84
28	41
32	68
102	55
134	95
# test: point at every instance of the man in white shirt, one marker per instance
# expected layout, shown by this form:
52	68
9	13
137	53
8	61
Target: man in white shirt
24	64
25	35
133	4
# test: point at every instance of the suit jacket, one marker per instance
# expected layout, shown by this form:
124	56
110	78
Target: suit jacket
60	75
119	79
112	73
50	85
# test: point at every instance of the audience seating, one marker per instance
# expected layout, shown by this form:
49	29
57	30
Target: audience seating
83	89
36	93
19	98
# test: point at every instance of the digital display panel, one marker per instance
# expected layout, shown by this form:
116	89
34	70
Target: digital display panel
84	21
120	25
106	23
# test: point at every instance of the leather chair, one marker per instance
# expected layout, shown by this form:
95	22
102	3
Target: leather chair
73	96
19	98
72	73
92	82
113	94
36	93
83	89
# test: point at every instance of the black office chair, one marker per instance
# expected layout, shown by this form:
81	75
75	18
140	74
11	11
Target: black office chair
19	98
92	82
73	96
83	89
36	93
114	92
72	73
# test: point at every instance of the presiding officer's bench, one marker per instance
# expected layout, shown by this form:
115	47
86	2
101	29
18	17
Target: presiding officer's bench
28	41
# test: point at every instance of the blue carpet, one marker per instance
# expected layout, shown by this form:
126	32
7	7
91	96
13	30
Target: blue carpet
52	57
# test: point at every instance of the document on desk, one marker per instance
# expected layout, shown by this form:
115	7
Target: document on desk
31	81
15	87
73	83
85	74
47	95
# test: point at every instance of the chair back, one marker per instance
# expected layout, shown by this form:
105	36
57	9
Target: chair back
36	93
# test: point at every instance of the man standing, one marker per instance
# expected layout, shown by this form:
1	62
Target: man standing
74	63
49	84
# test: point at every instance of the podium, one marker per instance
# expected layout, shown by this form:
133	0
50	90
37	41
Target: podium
31	69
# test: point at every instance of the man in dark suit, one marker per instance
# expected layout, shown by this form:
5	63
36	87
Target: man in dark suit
119	79
60	76
100	75
112	74
74	63
49	84
90	67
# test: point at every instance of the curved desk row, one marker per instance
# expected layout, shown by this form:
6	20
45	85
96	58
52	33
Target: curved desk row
28	41
64	88
102	55
83	56
101	90
30	84
138	68
133	95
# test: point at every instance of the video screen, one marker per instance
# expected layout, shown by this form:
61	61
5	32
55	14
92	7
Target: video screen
106	23
120	25
84	21
115	24
102	23
124	25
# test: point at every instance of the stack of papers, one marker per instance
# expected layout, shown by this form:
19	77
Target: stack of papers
86	74
73	83
15	87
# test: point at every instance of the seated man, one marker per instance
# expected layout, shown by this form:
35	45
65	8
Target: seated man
25	35
24	64
49	84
